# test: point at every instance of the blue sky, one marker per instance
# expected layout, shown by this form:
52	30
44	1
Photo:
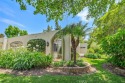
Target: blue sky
10	14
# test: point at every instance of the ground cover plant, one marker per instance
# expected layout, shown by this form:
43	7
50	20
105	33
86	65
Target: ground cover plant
22	59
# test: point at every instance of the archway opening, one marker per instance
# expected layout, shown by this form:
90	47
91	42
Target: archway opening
57	49
38	45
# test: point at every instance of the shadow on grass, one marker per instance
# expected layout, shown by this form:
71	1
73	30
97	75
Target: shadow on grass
102	75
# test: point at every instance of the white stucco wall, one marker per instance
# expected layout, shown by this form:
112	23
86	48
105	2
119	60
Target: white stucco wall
47	36
67	48
82	49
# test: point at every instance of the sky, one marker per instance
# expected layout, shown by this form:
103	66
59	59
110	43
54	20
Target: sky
10	14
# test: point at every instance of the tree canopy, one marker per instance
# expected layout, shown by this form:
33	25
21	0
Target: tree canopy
55	9
110	22
13	31
23	32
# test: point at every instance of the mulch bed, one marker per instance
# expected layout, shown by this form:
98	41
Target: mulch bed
39	72
114	69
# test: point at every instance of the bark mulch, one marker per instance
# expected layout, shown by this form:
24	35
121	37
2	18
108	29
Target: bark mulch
114	69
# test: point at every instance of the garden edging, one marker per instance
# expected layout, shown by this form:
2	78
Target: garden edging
77	70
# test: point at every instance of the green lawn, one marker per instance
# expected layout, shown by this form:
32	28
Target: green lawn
102	76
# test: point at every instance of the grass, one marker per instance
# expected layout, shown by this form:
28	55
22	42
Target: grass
101	76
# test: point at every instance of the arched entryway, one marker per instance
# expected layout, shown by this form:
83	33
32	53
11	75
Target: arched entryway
61	46
38	45
57	48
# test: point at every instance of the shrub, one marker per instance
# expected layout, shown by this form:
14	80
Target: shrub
114	45
58	64
43	61
94	47
68	63
91	50
6	59
38	45
80	64
93	55
22	59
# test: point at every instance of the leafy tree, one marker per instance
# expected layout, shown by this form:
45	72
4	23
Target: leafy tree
55	9
110	22
58	27
48	29
114	45
76	31
23	32
110	33
13	31
1	35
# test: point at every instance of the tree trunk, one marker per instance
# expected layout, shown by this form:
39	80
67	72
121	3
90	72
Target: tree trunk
74	52
73	46
75	43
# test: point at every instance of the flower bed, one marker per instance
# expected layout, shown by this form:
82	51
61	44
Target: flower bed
77	70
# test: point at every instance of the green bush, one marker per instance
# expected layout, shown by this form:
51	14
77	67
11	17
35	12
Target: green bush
114	45
80	64
22	59
58	64
68	63
93	55
43	61
91	50
38	45
94	47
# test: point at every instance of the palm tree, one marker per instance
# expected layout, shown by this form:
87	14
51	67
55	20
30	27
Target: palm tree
76	31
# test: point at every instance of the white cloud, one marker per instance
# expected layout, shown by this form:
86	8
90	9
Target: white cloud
7	11
83	15
11	22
